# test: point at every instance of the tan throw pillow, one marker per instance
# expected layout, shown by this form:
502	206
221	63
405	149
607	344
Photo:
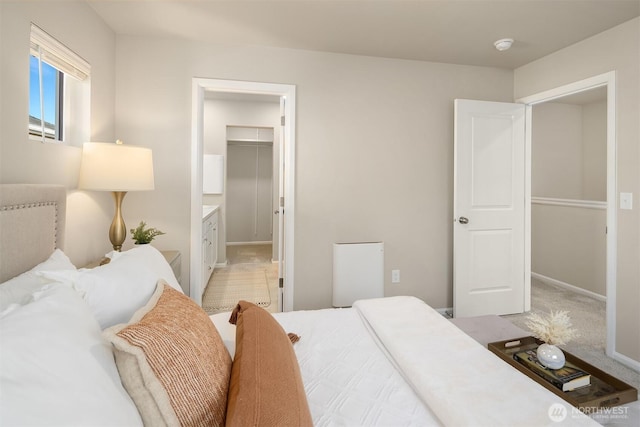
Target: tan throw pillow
172	362
266	386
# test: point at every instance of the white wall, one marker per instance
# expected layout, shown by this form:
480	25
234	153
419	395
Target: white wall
374	150
617	49
25	161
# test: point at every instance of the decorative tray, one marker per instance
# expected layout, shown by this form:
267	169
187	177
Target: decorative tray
604	391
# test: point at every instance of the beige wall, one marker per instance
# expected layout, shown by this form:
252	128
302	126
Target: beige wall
569	151
25	161
594	151
617	49
556	151
374	150
568	244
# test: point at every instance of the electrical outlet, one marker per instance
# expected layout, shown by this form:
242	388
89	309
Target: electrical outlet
395	276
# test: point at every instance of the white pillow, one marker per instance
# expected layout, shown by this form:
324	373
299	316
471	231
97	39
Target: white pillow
56	367
116	290
19	289
152	258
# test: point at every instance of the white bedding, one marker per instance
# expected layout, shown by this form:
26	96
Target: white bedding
347	379
395	361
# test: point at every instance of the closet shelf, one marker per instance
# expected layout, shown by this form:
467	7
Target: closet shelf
250	140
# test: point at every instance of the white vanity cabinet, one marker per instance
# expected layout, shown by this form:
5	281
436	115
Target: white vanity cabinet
209	242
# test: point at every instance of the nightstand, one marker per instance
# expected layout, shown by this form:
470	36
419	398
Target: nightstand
174	258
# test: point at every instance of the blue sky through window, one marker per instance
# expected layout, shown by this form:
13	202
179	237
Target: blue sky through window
49	88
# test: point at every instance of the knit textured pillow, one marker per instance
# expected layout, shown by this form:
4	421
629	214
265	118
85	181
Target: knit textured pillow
172	362
266	385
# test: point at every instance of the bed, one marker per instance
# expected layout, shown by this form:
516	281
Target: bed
121	345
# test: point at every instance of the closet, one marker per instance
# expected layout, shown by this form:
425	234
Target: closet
249	184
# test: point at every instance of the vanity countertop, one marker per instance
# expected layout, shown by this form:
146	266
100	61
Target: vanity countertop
208	210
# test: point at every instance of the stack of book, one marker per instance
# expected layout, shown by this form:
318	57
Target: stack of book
566	378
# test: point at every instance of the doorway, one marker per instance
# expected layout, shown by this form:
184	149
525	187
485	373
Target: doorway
285	190
595	85
568	192
242	130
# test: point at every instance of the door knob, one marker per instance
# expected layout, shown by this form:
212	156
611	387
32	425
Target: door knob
463	220
276	212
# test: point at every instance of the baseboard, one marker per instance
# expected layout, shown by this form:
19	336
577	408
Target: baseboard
221	264
446	312
626	360
266	242
568	287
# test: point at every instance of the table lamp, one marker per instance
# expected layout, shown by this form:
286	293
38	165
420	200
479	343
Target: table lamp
117	168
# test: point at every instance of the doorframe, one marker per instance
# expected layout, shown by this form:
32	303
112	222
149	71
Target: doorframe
609	80
199	87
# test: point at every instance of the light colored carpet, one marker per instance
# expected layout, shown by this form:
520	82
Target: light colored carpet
588	317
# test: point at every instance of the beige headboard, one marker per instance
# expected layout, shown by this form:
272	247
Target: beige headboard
32	223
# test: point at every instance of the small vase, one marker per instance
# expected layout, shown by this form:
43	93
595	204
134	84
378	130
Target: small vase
550	356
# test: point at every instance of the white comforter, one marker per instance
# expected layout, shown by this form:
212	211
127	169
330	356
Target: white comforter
396	361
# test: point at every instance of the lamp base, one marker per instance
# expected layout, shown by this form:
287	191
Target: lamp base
118	229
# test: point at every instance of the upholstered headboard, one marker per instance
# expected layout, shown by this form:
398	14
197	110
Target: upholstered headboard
32	224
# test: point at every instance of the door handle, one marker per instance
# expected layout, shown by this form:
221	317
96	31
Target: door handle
463	220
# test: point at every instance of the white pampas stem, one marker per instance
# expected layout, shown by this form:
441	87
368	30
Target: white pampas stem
553	328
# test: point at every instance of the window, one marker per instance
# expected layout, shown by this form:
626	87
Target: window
45	102
59	91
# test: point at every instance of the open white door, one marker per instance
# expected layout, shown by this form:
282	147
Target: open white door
489	208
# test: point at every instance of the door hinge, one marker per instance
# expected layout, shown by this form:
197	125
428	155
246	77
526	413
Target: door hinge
282	120
281	282
282	201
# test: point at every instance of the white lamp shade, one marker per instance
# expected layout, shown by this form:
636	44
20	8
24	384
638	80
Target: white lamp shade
115	167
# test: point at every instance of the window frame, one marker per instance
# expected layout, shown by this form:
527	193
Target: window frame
70	120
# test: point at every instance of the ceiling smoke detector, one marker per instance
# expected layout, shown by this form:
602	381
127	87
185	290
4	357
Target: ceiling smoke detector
503	44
